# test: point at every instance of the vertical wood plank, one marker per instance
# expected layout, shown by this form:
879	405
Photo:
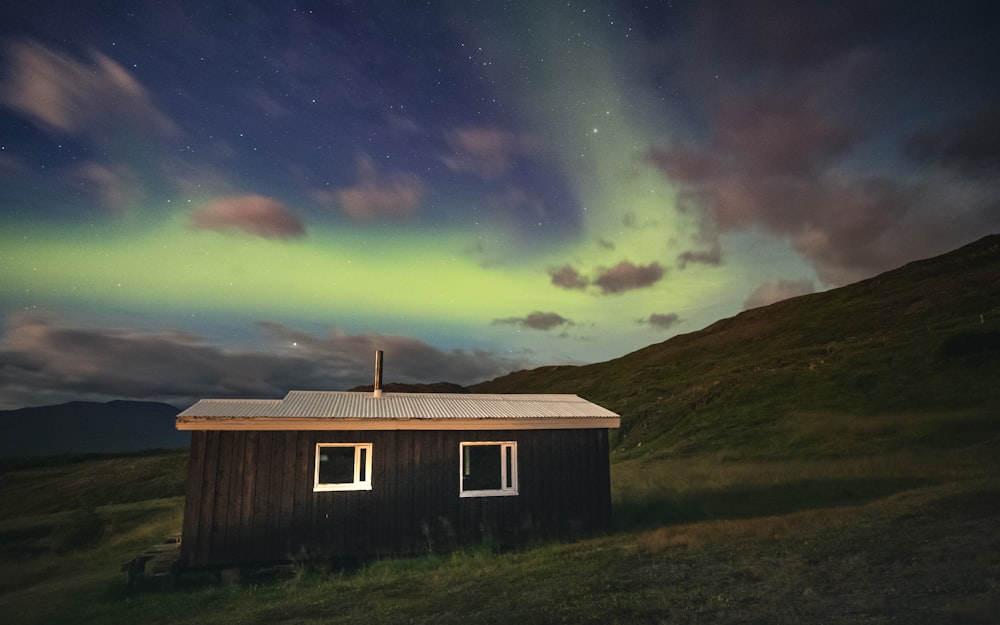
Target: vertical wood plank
262	485
223	498
234	511
284	540
208	496
248	472
302	491
250	497
193	499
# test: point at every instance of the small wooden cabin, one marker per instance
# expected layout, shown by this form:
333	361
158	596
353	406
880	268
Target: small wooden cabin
356	475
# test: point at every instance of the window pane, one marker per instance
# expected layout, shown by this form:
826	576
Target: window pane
336	465
510	465
362	463
481	467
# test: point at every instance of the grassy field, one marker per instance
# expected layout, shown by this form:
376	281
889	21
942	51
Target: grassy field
833	458
860	534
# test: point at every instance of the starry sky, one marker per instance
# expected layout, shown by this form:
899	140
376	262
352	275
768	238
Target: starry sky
237	199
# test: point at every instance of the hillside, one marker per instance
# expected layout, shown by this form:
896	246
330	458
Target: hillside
920	340
829	459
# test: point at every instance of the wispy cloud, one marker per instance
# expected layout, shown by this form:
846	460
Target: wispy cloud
377	196
661	320
711	256
253	214
113	187
96	98
488	152
536	321
48	360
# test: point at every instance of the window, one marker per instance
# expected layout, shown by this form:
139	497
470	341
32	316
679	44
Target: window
488	469
343	466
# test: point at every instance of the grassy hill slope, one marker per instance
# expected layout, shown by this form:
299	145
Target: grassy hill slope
891	352
833	458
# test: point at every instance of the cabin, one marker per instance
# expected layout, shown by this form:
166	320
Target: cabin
347	476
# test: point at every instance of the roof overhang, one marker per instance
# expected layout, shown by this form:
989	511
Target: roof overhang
310	423
351	411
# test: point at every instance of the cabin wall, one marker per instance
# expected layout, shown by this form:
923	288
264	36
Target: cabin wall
250	495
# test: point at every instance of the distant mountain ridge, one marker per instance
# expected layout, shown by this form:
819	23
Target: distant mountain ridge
399	387
89	427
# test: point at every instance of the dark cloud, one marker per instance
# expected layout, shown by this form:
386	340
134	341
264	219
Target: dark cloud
568	278
341	356
711	256
795	36
661	320
625	276
253	214
46	361
771	292
970	144
768	147
802	111
536	321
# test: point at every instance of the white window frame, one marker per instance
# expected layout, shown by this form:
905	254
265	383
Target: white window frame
360	468
508	479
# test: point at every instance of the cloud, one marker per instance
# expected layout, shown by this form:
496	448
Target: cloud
771	292
568	278
254	214
46	360
342	358
761	150
114	187
488	152
793	37
98	99
711	256
970	144
536	321
801	134
661	320
377	197
625	276
759	172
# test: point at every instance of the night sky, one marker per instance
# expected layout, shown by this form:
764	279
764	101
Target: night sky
236	199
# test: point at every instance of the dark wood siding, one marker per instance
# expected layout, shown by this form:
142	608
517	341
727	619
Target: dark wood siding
250	496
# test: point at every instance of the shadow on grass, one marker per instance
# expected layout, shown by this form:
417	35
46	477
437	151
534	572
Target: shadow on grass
643	512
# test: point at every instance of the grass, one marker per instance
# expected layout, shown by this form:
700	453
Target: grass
56	486
910	535
833	458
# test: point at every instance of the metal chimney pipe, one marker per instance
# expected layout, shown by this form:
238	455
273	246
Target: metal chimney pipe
378	373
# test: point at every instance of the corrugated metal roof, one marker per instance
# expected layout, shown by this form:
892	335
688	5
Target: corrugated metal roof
326	404
242	408
400	406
